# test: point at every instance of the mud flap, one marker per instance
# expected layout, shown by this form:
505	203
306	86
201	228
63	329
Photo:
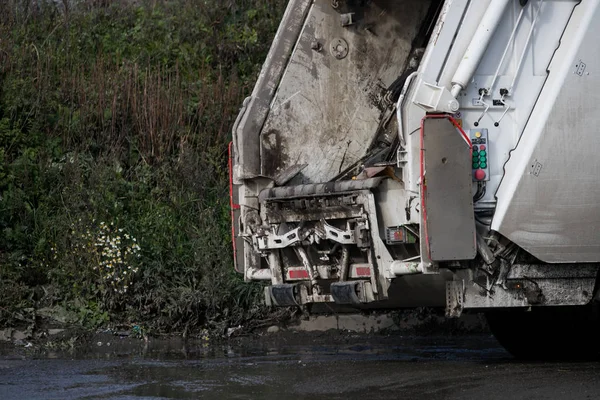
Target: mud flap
355	292
285	295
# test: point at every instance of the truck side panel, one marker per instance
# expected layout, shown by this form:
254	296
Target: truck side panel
548	200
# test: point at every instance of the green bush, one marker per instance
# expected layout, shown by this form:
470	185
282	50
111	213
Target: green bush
114	124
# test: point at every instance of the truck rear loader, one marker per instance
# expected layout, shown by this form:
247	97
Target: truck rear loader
428	153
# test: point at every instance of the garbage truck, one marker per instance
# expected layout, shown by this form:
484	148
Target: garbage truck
428	153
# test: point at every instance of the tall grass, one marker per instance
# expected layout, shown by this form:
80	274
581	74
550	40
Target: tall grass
118	114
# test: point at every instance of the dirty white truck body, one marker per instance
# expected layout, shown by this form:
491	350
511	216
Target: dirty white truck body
423	153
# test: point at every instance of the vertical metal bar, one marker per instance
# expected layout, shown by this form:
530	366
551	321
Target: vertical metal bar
512	85
510	40
344	263
275	266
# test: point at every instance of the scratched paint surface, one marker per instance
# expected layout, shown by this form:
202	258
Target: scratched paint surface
327	110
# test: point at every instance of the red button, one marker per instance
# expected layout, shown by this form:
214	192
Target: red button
480	175
482	147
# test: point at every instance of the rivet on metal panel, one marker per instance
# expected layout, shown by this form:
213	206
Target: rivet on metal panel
580	68
339	48
536	168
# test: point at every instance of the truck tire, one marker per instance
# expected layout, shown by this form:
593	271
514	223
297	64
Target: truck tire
548	333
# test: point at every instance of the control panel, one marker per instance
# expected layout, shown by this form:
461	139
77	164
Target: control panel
480	142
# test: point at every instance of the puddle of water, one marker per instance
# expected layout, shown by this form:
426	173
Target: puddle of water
257	370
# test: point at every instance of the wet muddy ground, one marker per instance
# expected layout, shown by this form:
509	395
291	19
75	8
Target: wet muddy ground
293	366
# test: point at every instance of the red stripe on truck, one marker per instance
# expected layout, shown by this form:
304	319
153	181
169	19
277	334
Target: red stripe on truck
232	204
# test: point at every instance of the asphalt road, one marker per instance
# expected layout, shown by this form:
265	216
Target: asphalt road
473	367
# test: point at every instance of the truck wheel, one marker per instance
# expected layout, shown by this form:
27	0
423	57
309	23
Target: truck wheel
548	333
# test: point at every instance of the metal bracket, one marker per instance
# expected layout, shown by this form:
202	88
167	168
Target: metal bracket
337	235
270	242
454	298
347	19
434	98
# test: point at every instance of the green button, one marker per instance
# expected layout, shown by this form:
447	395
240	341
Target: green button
475	165
483	153
483	158
483	165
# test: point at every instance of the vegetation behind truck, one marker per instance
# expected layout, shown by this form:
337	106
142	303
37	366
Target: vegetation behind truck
428	153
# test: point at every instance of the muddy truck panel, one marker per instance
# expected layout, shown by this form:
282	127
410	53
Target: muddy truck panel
324	104
412	153
329	103
322	91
